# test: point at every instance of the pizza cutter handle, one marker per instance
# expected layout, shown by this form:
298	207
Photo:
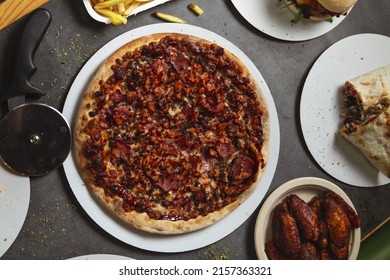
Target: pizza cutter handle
34	29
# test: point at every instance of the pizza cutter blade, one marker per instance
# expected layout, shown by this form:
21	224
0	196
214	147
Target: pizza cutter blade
34	138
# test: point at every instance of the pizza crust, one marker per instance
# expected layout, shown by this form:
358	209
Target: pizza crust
141	221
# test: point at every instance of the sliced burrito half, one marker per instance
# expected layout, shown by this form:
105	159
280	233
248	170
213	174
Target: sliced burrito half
367	116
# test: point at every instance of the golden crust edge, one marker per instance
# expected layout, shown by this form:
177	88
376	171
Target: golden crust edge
164	227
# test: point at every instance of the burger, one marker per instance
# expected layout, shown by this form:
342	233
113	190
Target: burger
319	9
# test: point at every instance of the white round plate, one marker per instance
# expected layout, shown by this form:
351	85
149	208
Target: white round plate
100	257
174	243
306	188
271	18
321	107
14	202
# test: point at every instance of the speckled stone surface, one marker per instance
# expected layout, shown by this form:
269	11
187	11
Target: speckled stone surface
57	227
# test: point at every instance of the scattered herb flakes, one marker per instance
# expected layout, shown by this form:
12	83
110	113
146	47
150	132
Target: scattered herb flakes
54	82
215	253
49	224
70	51
75	52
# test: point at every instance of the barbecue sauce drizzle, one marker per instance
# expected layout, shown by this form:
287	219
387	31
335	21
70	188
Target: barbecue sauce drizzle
176	132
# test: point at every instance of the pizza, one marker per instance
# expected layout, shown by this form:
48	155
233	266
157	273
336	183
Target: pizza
366	99
171	134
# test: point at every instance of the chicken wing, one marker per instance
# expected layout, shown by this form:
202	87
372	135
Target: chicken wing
308	251
316	205
337	222
306	218
339	253
324	254
273	252
352	215
285	231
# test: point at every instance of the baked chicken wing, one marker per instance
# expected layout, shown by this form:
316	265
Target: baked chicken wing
348	210
316	205
306	218
285	231
308	251
273	252
339	253
337	222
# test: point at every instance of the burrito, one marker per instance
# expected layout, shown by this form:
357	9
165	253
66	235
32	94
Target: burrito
367	116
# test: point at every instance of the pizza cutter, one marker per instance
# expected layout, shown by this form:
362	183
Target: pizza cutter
34	138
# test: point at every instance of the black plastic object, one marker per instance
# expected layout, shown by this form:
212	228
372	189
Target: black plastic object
34	139
23	67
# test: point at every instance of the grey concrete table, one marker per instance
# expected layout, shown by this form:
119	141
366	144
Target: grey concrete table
57	227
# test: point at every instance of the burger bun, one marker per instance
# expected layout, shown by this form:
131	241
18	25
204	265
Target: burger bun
337	6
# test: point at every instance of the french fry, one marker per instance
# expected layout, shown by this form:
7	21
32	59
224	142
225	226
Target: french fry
169	18
116	19
128	3
195	8
116	10
131	8
108	4
121	8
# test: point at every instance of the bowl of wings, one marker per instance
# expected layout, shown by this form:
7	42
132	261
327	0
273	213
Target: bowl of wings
307	219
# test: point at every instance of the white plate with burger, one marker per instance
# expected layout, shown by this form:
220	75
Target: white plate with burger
274	18
180	242
321	107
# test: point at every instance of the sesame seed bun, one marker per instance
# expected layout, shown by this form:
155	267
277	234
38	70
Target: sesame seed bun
337	6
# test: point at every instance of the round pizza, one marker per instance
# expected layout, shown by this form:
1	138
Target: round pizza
172	133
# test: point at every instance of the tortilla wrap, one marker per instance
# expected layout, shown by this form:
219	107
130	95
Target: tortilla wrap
370	133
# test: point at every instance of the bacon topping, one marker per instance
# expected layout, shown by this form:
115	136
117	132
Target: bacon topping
179	130
225	149
168	182
243	168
